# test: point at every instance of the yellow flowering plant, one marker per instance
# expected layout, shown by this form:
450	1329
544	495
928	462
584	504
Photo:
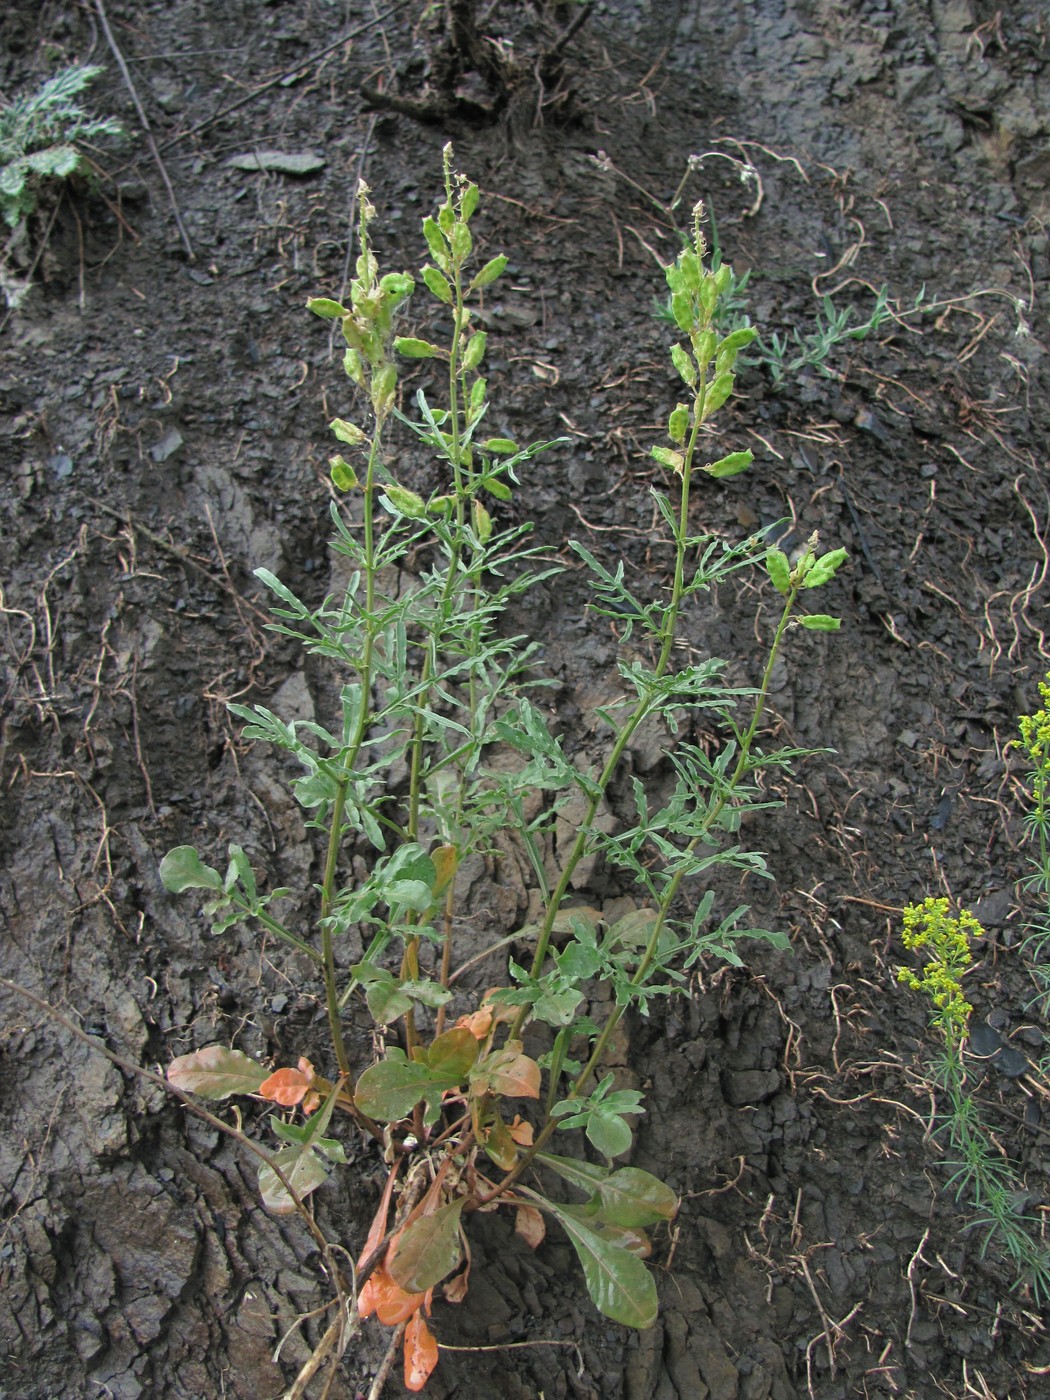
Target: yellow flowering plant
979	1169
929	926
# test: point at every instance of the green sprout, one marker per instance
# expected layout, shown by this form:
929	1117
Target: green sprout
40	136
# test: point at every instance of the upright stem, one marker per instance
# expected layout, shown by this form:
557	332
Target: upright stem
335	827
641	710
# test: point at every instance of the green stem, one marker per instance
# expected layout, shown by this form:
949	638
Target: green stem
349	761
641	710
742	764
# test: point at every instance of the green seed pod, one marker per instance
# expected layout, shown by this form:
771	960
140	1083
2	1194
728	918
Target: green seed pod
475	350
731	464
325	306
405	502
482	522
344	478
438	284
346	432
489	272
778	568
684	365
679	423
820	622
352	368
384	386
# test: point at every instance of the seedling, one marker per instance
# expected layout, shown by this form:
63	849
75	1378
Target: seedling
468	1114
41	138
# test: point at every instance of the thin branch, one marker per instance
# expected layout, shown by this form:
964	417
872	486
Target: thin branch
288	73
129	1067
122	65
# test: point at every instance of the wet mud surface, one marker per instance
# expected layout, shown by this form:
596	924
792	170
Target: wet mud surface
163	433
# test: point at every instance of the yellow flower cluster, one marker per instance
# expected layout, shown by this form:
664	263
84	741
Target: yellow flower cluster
1035	729
929	925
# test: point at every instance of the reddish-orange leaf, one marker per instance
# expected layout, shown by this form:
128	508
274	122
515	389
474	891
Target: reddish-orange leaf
285	1086
421	1353
509	1072
366	1297
479	1023
520	1131
445	860
455	1288
387	1299
500	1145
378	1226
530	1225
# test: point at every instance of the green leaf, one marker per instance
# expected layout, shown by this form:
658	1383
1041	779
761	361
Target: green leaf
305	1135
609	1133
778	567
413	894
579	962
216	1073
492	269
182	869
428	1250
453	1054
820	622
732	464
414	349
325	306
426	992
501	445
392	1088
304	1172
387	1001
632	1197
619	1284
438	284
558	1006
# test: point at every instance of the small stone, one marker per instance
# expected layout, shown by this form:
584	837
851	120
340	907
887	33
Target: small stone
749	1086
167	447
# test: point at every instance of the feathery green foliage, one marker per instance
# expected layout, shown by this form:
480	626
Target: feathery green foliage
39	139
